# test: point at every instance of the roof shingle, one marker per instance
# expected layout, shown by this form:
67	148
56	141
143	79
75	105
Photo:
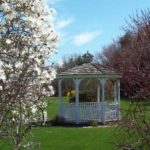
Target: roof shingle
88	69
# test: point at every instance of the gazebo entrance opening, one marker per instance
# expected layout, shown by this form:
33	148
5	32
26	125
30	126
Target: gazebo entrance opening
88	90
99	110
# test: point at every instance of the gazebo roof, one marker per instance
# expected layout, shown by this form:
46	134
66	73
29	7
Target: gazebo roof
89	70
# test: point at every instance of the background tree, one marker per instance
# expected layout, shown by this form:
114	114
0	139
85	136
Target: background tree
130	55
67	63
27	39
68	85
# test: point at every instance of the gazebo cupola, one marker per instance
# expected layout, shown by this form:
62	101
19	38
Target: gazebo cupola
87	57
101	110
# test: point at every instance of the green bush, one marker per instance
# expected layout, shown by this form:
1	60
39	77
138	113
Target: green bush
93	123
84	97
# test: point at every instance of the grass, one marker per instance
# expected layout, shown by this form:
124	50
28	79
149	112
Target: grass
58	138
67	138
53	106
61	138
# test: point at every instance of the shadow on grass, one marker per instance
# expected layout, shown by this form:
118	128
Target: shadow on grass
60	122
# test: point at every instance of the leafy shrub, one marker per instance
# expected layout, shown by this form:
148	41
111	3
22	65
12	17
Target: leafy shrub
70	93
93	123
84	97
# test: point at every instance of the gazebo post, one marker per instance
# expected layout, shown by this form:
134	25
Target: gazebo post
118	98
98	93
115	92
60	97
102	82
77	83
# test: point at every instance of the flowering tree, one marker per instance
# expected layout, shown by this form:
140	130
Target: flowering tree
130	55
27	39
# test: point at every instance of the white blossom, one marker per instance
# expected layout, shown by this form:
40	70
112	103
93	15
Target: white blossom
1	88
28	41
8	41
37	69
5	6
34	109
60	63
18	64
1	63
2	75
10	16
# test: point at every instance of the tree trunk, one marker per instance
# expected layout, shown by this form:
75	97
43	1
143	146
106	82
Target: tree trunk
16	147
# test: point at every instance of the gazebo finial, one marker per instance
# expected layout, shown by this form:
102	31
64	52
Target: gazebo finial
87	57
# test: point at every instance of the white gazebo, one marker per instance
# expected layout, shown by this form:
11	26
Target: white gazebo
100	111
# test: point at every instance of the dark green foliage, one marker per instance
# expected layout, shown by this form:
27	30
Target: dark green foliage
94	123
84	97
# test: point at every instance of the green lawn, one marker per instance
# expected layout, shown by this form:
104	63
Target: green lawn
67	138
53	106
61	138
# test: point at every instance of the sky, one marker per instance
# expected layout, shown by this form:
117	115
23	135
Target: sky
91	24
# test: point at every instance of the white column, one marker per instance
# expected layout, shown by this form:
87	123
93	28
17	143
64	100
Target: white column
77	83
115	92
118	91
60	97
118	98
98	93
103	82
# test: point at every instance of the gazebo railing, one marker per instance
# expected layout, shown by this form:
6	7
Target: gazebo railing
112	112
68	112
88	111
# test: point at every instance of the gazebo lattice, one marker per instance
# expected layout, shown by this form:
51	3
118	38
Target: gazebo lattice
100	111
